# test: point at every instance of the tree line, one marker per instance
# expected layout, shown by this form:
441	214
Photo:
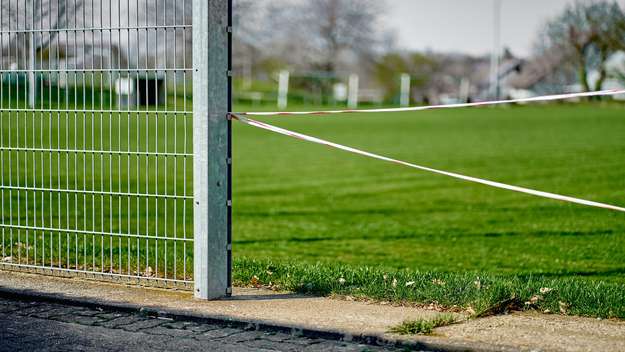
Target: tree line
337	36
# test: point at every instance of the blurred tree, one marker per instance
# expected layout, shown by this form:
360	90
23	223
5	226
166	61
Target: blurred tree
340	25
588	33
325	33
617	71
387	71
421	68
246	18
619	75
321	42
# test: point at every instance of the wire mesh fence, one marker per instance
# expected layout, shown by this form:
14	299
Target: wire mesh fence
96	138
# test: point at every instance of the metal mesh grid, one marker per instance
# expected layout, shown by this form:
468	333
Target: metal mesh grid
95	143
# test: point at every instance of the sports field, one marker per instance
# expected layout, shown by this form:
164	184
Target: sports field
307	203
312	219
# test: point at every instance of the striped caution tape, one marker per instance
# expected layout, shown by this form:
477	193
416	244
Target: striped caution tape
450	106
542	194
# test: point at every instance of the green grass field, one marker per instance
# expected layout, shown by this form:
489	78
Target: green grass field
306	216
316	220
306	203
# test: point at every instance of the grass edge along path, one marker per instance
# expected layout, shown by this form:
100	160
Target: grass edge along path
479	294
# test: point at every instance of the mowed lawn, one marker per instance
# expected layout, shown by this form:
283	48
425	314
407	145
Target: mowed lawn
297	202
305	203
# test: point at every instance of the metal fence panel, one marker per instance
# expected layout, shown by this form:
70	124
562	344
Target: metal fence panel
96	147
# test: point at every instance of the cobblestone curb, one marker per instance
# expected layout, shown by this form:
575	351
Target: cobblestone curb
35	325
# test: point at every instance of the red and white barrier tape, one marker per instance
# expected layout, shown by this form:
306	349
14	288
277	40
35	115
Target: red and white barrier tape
450	106
424	168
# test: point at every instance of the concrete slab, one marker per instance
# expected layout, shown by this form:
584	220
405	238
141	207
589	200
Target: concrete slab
337	318
533	331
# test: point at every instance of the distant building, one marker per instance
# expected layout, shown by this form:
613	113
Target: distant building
463	78
550	73
543	74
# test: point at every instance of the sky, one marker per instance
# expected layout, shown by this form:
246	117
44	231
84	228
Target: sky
466	26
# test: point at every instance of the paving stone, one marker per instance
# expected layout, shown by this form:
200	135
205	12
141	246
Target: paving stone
202	328
88	312
182	325
111	315
53	312
142	325
37	309
163	331
117	323
276	337
270	345
81	319
219	334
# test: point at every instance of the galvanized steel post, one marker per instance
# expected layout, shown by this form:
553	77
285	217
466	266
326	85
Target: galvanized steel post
212	32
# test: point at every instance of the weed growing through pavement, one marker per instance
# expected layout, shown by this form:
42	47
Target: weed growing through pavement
423	326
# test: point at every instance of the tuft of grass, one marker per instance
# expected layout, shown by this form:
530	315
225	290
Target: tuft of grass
423	326
480	294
